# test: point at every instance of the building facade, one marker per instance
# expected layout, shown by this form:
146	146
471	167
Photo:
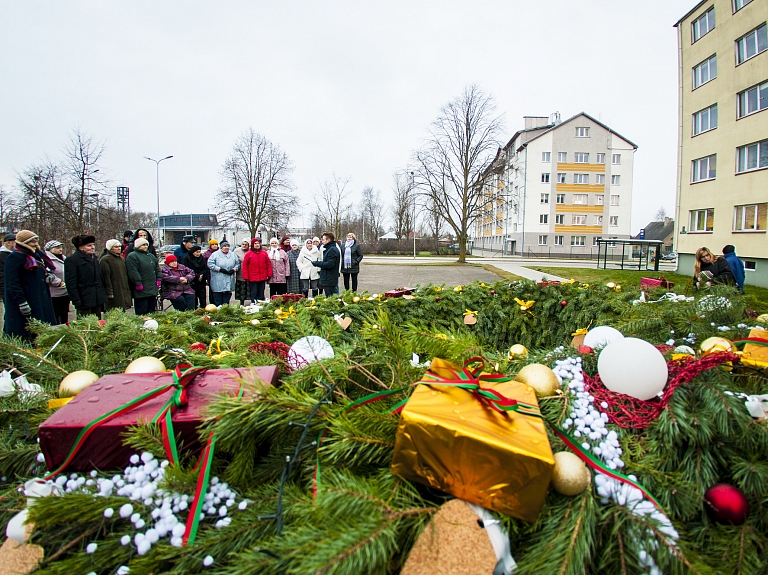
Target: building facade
722	184
556	188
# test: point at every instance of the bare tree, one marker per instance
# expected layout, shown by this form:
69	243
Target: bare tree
403	206
332	206
256	183
434	221
660	215
451	166
372	212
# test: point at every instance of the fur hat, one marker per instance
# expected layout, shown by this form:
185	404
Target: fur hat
171	258
112	244
138	242
52	244
729	249
83	239
25	236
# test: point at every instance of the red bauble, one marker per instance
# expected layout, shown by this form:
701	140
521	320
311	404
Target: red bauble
437	299
206	319
585	349
726	504
102	322
493	292
563	303
198	346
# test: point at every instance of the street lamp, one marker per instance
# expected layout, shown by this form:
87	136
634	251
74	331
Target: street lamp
413	220
157	166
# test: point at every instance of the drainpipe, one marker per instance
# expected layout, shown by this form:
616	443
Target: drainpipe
525	189
675	245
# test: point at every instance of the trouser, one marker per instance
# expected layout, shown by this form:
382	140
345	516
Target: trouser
330	290
221	297
309	284
184	302
277	289
143	305
346	281
257	291
2	314
61	309
200	295
84	311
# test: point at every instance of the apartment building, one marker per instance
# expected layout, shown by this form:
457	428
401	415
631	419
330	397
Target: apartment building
722	187
557	187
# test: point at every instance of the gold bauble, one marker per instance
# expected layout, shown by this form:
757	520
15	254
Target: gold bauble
542	379
146	364
762	318
517	349
356	299
210	308
570	476
76	382
715	344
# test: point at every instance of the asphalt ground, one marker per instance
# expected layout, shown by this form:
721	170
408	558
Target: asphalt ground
381	277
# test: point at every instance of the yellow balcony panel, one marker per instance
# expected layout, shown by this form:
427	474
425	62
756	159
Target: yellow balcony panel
499	231
487	233
579	209
584	230
487	220
500	216
562	167
581	188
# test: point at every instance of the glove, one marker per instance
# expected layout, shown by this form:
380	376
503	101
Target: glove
25	310
159	282
230	272
139	287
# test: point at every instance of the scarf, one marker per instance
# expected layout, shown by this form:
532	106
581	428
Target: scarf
348	253
274	253
33	259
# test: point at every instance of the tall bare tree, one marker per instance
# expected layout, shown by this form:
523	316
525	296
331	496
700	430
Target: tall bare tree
332	205
256	183
451	166
372	212
404	204
434	220
661	214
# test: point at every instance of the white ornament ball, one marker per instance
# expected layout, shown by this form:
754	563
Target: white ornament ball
601	336
109	512
309	349
91	548
151	325
633	367
208	561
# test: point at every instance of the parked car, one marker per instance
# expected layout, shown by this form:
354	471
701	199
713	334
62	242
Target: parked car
669	257
167	249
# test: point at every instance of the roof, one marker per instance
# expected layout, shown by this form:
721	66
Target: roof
659	230
691	11
555	127
538	128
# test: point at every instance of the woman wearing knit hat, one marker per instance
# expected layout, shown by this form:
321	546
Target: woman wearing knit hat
213	247
144	277
177	284
59	296
83	276
114	276
26	291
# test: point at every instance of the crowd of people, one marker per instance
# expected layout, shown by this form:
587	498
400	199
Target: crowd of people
39	282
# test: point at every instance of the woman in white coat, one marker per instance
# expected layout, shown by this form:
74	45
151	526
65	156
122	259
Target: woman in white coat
309	273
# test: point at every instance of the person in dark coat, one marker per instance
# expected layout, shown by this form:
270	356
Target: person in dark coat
9	243
127	239
58	287
294	280
352	255
330	265
82	276
141	233
710	269
144	277
195	261
186	243
26	294
737	266
114	275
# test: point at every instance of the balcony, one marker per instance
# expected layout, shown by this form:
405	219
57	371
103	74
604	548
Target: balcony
579	208
563	167
579	229
581	188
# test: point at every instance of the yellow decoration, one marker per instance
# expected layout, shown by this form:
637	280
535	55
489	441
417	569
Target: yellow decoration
610	285
570	281
76	382
524	305
763	318
57	403
571	475
517	349
580	331
715	344
458	288
756	355
145	364
542	379
211	308
356	299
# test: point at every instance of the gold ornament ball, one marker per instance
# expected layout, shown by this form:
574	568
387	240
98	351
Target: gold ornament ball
762	318
517	349
542	379
570	476
76	382
146	364
715	344
211	308
356	299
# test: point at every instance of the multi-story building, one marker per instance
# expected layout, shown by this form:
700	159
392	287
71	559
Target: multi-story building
722	184
558	187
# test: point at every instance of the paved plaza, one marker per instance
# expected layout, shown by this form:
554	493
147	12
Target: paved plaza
378	277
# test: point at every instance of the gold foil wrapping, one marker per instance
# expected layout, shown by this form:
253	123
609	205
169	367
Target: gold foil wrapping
451	440
755	355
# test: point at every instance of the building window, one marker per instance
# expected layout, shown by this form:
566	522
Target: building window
544	198
599	200
616	159
615	180
580	199
600	158
702	220
750	265
579	220
705	71
561	177
752	100
703	24
749	218
598	220
739	4
600	179
595	239
614	200
705	120
752	156
582	132
562	157
578	240
546	157
545	178
614	220
751	44
560	198
542	240
543	218
581	158
704	169
560	219
558	240
580	178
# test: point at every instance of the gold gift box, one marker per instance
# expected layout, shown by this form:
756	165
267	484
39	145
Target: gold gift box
756	355
451	440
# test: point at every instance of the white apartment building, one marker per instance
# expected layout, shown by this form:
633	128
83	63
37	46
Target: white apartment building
556	188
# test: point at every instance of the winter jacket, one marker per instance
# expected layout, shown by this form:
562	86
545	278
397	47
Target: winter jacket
329	267
221	282
3	255
307	270
257	266
357	257
720	270
25	285
54	285
280	267
737	269
240	253
114	275
82	275
150	249
294	280
199	265
172	286
142	271
180	252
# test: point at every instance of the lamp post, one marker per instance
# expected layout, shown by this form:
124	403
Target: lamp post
413	219
157	174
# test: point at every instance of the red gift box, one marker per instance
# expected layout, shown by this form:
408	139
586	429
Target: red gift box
288	297
656	282
104	448
400	292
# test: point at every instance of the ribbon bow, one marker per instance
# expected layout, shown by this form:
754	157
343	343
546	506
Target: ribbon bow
524	305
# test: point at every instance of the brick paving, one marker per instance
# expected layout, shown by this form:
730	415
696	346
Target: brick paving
378	278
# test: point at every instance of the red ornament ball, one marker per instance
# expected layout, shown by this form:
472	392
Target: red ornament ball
493	292
198	346
102	322
585	349
437	299
563	303
726	504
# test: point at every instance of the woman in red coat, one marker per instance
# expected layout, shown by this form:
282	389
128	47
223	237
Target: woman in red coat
257	269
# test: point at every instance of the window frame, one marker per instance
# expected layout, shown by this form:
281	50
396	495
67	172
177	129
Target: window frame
545	239
599	219
708	15
613	221
758	51
600	159
562	157
559	219
759	89
762	144
544	198
575	197
578	177
546	157
595	239
735	8
617	196
582	132
599	179
697	116
561	177
616	180
709	216
698	66
614	158
544	219
555	241
545	177
559	197
757	210
576	244
599	199
578	219
584	155
695	169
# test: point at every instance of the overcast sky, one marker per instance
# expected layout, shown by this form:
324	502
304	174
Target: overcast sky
345	87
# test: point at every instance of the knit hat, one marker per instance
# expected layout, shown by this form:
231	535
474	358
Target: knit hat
315	239
110	244
729	249
195	248
224	243
25	236
213	241
83	239
127	234
52	244
171	258
294	242
138	242
9	238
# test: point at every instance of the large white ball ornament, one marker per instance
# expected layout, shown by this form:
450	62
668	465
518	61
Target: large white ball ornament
151	325
633	367
309	349
601	336
146	364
